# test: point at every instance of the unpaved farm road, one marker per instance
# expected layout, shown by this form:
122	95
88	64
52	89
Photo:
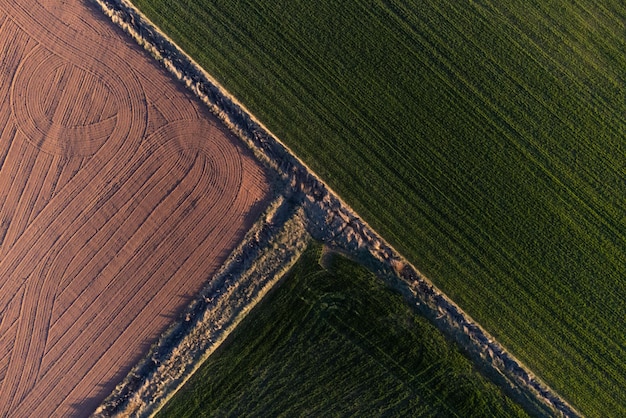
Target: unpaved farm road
119	197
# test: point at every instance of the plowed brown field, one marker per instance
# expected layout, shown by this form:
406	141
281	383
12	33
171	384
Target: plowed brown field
119	196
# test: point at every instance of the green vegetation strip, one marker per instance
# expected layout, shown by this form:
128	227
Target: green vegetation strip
337	342
484	140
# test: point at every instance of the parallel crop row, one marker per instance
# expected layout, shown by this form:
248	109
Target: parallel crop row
484	140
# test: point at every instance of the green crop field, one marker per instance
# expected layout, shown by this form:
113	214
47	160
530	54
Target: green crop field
336	342
485	140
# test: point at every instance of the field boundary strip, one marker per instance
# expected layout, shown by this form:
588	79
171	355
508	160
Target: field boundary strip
250	272
330	220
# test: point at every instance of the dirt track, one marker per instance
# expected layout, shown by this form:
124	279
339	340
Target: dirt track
119	196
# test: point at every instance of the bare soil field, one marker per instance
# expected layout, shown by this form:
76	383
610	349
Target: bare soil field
119	197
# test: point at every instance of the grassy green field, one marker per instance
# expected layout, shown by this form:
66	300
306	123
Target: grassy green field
485	140
336	342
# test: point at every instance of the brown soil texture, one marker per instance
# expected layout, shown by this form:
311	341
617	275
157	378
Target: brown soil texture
120	196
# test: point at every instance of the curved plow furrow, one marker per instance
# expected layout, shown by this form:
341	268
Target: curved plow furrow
155	247
27	200
20	162
119	198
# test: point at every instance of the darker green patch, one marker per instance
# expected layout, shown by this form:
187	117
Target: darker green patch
337	343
